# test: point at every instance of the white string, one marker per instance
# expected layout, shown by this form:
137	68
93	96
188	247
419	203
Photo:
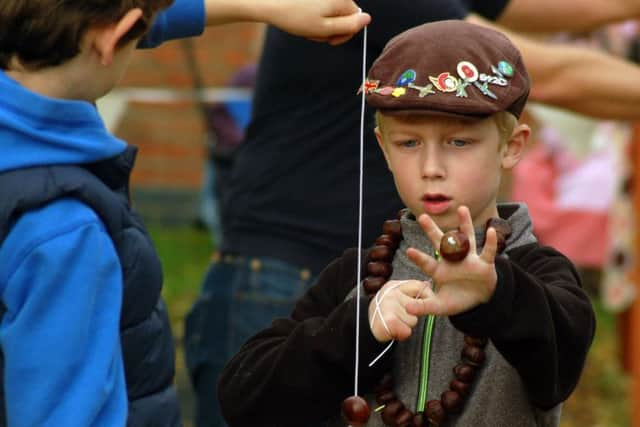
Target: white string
378	312
360	197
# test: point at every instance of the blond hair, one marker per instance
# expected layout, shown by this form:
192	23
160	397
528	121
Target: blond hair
505	122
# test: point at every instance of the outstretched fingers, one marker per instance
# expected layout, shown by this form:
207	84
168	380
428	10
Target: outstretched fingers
466	226
431	229
490	248
424	262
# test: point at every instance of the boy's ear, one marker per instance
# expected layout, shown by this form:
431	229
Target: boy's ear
107	37
515	146
380	139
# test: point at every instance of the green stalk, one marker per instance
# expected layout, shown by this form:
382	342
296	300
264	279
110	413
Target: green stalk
424	367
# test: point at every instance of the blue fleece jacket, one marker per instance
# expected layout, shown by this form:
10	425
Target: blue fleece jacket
60	277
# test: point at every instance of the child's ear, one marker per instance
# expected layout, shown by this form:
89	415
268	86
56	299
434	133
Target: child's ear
107	37
515	146
380	139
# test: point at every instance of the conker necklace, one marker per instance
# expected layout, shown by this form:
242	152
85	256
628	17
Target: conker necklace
454	247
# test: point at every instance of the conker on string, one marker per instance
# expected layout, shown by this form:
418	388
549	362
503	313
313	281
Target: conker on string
388	241
503	231
381	253
393	228
377	268
391	411
404	418
452	401
385	397
419	420
472	355
477	341
454	246
355	411
435	413
373	284
464	372
460	386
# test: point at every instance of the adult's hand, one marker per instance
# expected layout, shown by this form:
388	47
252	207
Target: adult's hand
332	21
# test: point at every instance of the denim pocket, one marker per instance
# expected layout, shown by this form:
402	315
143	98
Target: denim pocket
269	289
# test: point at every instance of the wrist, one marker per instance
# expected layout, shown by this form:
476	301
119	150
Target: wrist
227	11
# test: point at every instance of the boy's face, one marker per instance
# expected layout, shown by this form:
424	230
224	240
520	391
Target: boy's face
439	164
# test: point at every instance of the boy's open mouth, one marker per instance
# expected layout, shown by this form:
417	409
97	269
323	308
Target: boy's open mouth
435	204
435	198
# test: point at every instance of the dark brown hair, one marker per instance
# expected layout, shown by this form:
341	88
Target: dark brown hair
43	33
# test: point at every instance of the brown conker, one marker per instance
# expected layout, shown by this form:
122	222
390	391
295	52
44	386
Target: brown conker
355	411
454	246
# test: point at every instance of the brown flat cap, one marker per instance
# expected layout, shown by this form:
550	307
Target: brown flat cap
451	68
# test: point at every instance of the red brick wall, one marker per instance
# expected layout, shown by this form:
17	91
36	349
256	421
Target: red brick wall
170	133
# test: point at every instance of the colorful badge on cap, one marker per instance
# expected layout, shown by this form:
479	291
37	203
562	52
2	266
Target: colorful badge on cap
467	71
398	92
369	86
423	90
408	77
505	69
445	82
387	90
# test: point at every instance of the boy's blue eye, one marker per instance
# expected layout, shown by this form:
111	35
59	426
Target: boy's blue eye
409	143
458	142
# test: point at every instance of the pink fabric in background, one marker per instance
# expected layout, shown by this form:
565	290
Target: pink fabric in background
568	201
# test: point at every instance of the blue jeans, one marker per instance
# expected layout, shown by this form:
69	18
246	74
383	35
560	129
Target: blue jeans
239	297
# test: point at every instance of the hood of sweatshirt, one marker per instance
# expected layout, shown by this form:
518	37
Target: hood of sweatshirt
36	130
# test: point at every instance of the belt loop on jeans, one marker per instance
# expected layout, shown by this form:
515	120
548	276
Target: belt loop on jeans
218	256
255	264
305	274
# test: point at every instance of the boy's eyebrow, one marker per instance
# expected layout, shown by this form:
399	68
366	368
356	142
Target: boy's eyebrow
448	123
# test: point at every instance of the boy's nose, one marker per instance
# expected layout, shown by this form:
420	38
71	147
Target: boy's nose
432	165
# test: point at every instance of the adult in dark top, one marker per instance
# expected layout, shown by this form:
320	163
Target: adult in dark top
293	191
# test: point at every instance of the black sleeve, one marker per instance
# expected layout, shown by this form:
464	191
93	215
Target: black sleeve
490	9
391	17
540	320
299	370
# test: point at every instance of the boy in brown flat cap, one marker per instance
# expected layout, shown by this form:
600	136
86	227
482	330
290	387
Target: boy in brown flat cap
496	336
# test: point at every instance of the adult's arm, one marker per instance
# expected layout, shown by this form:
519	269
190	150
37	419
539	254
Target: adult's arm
300	369
540	320
334	21
566	15
62	288
575	78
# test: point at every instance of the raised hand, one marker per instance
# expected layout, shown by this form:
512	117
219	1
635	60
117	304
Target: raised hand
459	286
331	21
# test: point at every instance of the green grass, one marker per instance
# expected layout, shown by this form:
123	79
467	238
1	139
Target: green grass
185	252
601	399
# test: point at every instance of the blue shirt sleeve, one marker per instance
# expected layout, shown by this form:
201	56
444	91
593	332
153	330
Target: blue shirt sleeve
62	288
184	18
